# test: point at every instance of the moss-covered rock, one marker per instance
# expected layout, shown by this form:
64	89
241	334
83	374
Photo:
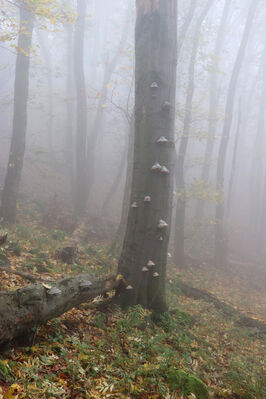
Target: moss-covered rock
187	383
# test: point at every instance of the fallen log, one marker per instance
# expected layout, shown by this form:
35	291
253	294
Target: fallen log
33	305
242	319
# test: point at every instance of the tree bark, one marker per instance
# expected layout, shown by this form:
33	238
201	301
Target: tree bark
117	242
81	176
18	140
148	226
213	104
179	252
221	245
31	306
69	152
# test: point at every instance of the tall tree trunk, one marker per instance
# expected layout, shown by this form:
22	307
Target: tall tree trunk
179	240
144	254
234	159
213	104
81	179
18	141
220	236
47	58
186	25
117	242
97	127
69	153
257	206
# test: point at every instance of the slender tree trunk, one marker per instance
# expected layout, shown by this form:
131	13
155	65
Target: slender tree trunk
47	57
96	130
257	208
69	153
144	254
81	180
186	25
18	141
233	168
213	104
118	177
117	242
179	240
220	236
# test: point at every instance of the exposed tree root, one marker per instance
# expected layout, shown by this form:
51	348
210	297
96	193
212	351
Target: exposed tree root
242	319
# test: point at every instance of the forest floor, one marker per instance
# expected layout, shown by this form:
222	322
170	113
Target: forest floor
100	351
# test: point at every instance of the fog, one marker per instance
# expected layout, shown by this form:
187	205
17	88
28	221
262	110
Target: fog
104	111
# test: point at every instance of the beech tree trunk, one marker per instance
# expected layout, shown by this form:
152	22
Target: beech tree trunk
31	306
69	152
144	254
18	140
179	240
81	176
213	104
221	245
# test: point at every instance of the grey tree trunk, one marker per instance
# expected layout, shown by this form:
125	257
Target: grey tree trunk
144	253
258	187
69	153
96	130
234	159
81	172
221	245
18	140
117	242
213	104
179	239
47	58
186	25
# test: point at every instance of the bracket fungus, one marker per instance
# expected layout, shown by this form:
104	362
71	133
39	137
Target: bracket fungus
162	224
154	85
129	287
156	167
164	170
147	198
161	238
134	205
150	263
162	140
85	284
144	269
156	274
54	291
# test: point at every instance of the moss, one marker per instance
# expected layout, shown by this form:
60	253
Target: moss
187	383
